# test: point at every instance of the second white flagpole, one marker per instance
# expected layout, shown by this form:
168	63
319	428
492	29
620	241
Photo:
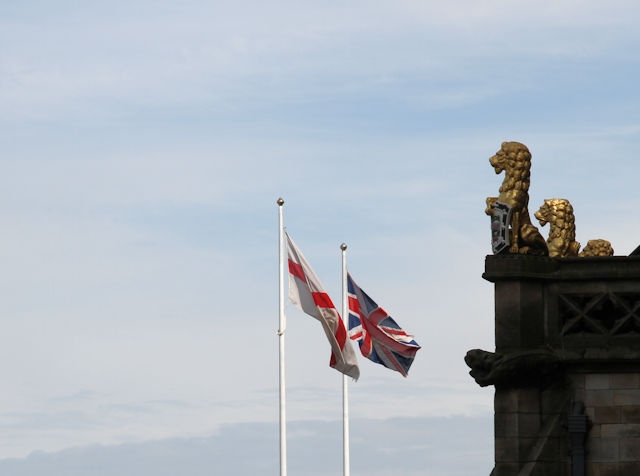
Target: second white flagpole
345	385
281	331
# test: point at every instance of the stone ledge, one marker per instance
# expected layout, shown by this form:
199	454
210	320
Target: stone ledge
529	267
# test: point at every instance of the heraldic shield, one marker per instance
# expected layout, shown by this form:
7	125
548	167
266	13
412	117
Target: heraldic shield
500	227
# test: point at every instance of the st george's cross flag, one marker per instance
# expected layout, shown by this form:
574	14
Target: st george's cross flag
306	292
381	339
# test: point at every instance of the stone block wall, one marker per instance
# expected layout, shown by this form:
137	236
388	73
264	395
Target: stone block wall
528	431
567	336
612	403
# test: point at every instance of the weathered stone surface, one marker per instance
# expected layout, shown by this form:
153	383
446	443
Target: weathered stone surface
606	414
631	413
597	381
625	381
585	313
603	449
630	449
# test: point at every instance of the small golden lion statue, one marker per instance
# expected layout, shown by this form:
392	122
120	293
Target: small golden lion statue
558	212
514	159
597	248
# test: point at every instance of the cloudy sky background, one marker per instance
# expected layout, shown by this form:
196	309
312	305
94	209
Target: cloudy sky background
144	145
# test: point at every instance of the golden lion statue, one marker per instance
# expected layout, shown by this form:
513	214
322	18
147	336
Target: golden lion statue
558	212
514	159
597	248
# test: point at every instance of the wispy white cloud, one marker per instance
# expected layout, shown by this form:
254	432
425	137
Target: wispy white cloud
154	56
376	445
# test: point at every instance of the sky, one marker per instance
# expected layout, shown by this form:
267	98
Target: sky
144	146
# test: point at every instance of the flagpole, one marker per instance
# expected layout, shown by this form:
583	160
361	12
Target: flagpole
281	330
345	386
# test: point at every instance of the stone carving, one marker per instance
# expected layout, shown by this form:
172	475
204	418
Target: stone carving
514	159
558	212
597	248
607	314
511	227
524	368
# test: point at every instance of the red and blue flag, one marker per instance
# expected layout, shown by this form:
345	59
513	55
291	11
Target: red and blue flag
380	338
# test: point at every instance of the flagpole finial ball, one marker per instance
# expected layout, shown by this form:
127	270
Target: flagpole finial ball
280	201
343	246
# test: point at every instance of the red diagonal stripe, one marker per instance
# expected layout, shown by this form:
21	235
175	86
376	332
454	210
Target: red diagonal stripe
395	332
365	346
322	300
341	333
377	315
296	270
378	335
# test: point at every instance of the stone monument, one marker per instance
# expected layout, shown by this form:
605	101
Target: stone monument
566	363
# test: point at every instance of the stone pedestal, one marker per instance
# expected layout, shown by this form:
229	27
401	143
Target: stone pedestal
566	366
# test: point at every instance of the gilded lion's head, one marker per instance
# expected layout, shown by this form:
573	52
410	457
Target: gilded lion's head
544	213
512	155
555	211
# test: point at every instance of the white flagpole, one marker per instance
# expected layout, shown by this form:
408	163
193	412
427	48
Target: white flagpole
281	330
345	386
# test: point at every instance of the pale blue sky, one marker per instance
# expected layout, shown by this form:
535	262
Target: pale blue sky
144	146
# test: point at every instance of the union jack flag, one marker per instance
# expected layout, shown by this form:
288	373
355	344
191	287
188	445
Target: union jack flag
381	339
